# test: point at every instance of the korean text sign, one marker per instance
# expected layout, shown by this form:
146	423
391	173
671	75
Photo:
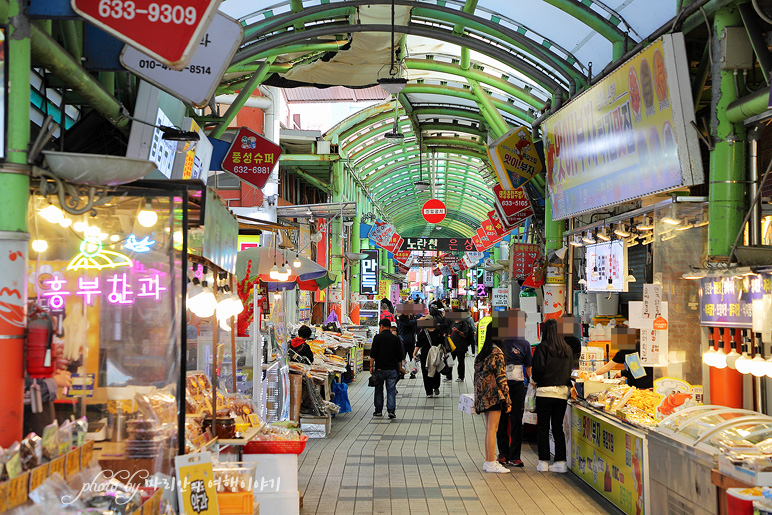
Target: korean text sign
608	458
626	137
369	273
728	301
251	157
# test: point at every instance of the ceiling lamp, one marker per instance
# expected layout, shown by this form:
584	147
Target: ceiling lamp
147	217
588	239
630	276
576	241
671	218
296	263
646	224
274	272
603	235
185	141
392	85
420	184
719	358
733	356
622	231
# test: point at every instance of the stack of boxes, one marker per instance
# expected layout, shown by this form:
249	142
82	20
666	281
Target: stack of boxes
276	483
533	321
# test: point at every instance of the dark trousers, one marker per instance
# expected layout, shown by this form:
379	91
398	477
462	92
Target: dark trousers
389	379
458	355
550	412
430	383
510	433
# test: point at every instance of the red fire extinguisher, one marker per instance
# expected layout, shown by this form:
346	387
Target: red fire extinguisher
40	337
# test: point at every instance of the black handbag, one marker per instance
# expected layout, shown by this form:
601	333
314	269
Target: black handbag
374	380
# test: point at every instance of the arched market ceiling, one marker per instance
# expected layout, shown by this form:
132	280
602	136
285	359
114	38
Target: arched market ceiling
474	69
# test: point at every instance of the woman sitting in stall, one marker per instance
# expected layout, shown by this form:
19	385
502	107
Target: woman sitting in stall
299	350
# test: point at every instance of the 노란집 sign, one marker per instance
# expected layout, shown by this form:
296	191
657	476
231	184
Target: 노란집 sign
609	459
728	301
626	137
439	244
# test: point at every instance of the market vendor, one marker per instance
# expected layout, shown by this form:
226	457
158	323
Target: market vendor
627	341
299	349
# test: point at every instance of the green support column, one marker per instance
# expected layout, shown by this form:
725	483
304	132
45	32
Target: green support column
553	229
356	244
727	160
492	115
337	226
496	257
14	197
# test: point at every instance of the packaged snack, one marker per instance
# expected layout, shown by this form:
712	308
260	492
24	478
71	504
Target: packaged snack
160	405
65	438
50	441
31	451
79	431
12	459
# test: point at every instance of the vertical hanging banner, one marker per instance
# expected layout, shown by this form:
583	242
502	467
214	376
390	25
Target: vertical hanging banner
321	254
514	158
369	272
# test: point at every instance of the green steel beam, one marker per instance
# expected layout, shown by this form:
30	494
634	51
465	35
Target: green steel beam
72	42
453	112
482	77
432	89
582	11
255	30
727	160
458	151
492	115
313	181
358	118
306	48
755	103
308	158
254	81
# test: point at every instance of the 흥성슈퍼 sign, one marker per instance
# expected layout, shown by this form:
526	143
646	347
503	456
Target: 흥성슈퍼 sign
626	137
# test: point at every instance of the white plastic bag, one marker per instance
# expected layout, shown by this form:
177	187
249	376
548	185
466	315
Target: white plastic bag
530	398
416	365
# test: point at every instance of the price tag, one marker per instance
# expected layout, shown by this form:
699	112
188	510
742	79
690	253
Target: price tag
254	420
634	363
73	462
37	477
17	490
88	453
4	496
57	466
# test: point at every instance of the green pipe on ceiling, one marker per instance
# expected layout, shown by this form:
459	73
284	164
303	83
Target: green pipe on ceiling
254	30
479	76
358	118
499	126
288	49
254	81
432	89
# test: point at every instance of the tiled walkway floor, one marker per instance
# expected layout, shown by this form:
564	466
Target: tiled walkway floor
428	460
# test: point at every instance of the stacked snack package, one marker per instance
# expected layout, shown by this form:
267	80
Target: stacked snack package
155	430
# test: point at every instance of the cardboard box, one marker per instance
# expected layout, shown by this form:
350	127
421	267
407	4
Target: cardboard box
316	427
743	474
296	396
467	409
529	305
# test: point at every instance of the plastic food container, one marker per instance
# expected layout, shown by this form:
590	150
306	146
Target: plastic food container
738	503
234	477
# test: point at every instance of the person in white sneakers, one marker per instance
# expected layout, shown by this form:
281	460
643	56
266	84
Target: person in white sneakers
551	373
491	396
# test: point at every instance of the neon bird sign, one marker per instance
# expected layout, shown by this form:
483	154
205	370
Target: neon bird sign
140	246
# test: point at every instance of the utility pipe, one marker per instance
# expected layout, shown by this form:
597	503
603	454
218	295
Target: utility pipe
750	105
256	102
246	92
14	197
488	109
753	186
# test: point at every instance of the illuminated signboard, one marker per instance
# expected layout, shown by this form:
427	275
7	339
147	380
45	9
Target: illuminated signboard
369	273
606	266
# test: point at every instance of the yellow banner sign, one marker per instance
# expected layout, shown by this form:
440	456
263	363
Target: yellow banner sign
626	137
514	158
609	459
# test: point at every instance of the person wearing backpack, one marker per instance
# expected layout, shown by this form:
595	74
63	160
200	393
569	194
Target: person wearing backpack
429	337
461	332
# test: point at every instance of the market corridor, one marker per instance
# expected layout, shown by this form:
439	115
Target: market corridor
428	460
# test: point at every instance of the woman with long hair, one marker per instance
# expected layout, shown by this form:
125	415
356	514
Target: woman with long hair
551	374
491	396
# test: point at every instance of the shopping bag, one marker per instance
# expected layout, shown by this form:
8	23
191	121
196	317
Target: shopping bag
375	379
530	398
416	365
449	361
340	396
449	344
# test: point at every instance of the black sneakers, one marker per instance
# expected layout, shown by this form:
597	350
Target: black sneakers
378	414
392	414
436	392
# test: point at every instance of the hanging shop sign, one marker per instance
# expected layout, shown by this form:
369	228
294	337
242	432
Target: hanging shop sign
730	301
510	202
196	163
251	157
404	258
369	272
434	211
495	222
383	289
478	242
499	298
196	83
626	137
197	491
381	233
524	255
514	158
221	234
610	459
168	31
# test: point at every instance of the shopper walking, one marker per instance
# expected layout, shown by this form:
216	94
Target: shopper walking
491	397
552	376
510	336
406	329
429	337
385	364
461	332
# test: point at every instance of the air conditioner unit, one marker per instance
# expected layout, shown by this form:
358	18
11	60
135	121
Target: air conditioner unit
322	147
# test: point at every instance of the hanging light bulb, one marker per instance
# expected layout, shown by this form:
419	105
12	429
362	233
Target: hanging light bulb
719	358
758	366
646	224
224	306
622	231
225	324
707	356
39	245
733	355
576	241
603	235
588	238
743	363
205	302
671	218
297	263
147	217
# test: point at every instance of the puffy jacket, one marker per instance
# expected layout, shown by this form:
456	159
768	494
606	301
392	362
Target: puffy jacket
301	348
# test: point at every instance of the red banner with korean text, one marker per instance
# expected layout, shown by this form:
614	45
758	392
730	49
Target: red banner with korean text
321	254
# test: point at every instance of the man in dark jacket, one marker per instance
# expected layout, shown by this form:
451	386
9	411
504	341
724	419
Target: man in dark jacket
299	349
386	362
461	332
